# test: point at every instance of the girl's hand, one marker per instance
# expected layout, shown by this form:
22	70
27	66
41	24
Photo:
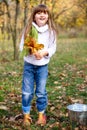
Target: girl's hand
40	55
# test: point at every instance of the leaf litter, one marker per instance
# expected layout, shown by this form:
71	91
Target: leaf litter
11	116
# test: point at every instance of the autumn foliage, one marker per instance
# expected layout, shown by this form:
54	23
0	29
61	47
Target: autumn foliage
31	45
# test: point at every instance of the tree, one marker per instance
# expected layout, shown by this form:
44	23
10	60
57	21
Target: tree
83	4
14	30
12	26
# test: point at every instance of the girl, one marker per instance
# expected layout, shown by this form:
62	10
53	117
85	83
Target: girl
36	64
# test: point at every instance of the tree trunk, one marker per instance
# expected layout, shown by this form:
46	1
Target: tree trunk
14	31
13	28
25	12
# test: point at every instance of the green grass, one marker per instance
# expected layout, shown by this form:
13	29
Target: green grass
66	84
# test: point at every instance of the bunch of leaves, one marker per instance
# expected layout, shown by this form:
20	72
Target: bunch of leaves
30	43
31	46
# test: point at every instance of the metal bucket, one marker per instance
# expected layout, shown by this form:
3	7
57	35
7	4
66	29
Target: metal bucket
78	112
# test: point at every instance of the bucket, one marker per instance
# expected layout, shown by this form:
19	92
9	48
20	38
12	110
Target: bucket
78	112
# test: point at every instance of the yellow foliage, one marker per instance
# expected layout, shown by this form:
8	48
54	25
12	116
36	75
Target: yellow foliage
32	46
80	22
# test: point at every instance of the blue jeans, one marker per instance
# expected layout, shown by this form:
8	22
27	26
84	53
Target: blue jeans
37	74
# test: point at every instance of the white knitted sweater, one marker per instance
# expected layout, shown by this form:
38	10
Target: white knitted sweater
45	37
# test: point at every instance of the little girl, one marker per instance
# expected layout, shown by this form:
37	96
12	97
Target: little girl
36	64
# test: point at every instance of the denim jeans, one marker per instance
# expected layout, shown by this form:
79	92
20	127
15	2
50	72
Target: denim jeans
37	74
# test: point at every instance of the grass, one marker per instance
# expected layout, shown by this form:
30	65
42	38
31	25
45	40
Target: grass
66	84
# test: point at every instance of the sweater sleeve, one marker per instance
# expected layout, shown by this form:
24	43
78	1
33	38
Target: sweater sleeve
52	46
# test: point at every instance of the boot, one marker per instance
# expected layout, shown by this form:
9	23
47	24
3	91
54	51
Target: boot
42	119
27	119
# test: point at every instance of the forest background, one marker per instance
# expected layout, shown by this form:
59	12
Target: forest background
70	15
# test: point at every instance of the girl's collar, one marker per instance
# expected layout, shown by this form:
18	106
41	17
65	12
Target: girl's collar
40	29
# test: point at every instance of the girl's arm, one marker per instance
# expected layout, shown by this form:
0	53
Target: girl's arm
47	53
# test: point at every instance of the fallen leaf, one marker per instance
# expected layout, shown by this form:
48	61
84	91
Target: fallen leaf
57	124
76	128
52	108
2	107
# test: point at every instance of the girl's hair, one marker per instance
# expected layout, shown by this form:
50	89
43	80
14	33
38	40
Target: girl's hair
39	8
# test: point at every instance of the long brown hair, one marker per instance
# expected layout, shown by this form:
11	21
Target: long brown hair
39	8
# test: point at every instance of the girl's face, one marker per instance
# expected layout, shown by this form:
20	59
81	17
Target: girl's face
41	18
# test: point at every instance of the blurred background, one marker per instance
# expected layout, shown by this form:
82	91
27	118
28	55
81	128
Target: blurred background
70	17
